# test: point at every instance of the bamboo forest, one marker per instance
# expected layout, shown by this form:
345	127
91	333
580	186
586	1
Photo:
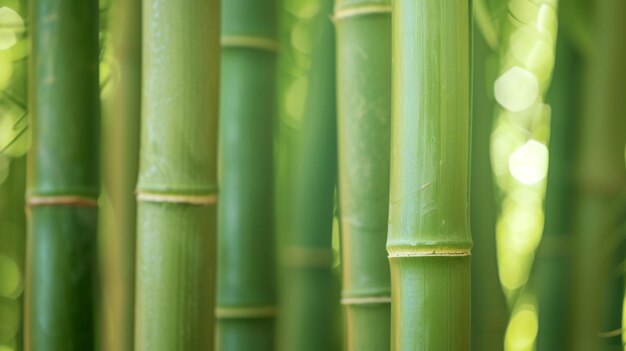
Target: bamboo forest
312	175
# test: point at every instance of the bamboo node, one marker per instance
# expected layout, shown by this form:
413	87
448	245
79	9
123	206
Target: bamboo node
62	200
177	198
245	312
308	257
431	253
261	43
368	300
361	11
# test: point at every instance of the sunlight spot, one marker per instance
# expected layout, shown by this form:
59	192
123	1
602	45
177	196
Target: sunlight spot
522	330
534	49
516	89
10	24
295	97
6	70
11	282
529	163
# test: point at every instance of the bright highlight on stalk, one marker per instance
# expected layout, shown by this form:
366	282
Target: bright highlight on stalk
11	24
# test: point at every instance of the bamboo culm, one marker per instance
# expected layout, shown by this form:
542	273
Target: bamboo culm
63	175
120	153
246	293
364	107
429	241
177	187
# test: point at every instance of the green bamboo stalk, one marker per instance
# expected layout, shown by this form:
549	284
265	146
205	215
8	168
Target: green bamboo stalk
12	250
600	179
429	241
177	188
246	295
120	153
308	307
63	175
364	97
553	265
489	310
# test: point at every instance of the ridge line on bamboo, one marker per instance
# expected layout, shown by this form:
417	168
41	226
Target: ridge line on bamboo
367	300
250	42
210	199
263	311
62	200
360	10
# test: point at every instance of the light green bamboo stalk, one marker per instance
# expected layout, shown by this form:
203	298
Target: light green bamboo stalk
553	263
600	179
177	188
489	310
308	307
246	295
63	175
364	101
120	165
429	241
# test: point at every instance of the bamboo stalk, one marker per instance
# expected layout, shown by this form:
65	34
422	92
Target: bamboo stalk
63	175
120	165
489	310
308	307
429	241
600	180
364	113
177	188
246	295
553	262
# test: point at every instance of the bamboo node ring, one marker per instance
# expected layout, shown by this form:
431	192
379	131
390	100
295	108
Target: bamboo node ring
62	200
361	11
177	198
431	253
367	300
245	312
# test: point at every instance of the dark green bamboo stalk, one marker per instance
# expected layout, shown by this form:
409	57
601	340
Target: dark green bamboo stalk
120	164
364	100
177	189
489	310
429	241
309	289
246	295
553	266
63	175
600	179
12	250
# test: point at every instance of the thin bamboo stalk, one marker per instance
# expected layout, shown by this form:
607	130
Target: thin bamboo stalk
553	262
429	241
120	165
63	175
246	295
489	309
600	179
308	306
364	101
177	188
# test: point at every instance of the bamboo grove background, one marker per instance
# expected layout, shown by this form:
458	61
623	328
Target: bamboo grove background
312	175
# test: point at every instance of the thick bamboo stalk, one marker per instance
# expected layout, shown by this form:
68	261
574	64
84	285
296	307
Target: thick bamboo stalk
308	286
364	101
600	179
12	251
120	166
553	262
489	309
63	175
429	241
177	189
246	295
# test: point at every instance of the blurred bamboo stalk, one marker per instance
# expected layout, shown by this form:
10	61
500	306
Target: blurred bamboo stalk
246	288
63	175
600	180
177	188
364	101
120	155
